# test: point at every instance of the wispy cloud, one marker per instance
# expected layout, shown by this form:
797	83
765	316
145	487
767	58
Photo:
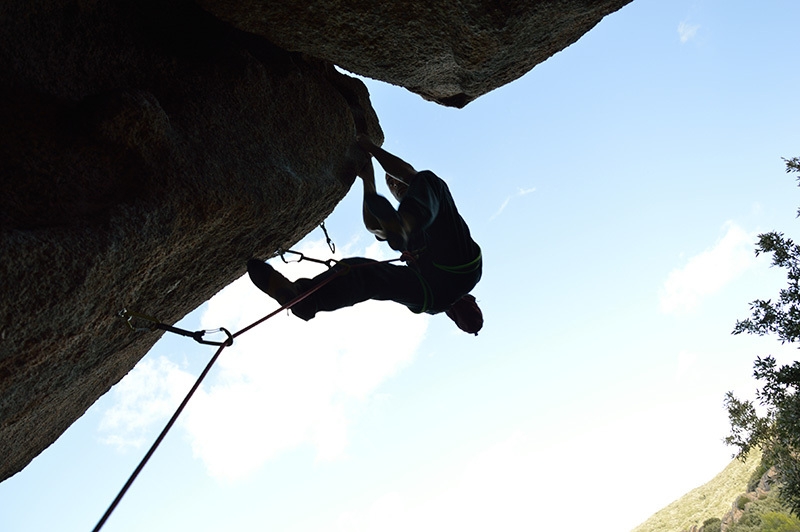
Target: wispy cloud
708	272
146	396
687	31
520	192
501	209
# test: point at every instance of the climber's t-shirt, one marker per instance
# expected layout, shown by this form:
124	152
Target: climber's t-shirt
448	258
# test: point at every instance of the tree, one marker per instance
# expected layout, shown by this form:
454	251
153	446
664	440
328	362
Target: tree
777	431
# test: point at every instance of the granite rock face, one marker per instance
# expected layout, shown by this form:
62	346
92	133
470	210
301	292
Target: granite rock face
149	148
142	163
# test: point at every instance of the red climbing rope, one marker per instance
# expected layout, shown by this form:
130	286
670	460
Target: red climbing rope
222	345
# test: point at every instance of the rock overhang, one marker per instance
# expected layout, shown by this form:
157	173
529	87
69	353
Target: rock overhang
150	148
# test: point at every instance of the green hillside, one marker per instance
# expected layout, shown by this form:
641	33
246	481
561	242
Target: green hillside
713	499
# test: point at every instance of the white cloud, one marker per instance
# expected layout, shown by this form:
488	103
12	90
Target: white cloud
147	395
287	382
520	482
513	485
520	192
687	31
708	272
501	209
492	490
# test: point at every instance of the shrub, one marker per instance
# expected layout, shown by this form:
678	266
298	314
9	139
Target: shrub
742	501
779	522
711	525
754	518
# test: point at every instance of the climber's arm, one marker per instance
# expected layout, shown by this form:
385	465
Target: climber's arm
372	224
391	163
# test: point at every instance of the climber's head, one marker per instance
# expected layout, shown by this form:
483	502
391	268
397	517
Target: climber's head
466	314
398	187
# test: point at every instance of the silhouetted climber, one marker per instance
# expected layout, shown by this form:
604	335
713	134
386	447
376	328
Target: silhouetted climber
446	262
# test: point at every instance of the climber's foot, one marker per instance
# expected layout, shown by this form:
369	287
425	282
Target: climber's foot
270	281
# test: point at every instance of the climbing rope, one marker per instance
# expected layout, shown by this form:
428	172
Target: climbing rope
155	324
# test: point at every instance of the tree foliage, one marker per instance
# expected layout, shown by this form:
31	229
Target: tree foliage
777	431
783	316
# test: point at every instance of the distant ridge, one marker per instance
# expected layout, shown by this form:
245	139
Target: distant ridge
713	499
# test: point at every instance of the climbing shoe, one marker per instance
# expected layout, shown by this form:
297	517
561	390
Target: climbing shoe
270	281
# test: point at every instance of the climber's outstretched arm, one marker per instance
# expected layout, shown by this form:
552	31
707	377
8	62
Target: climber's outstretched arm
367	175
372	224
391	163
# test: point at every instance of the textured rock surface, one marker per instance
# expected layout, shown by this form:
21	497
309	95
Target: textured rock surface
450	52
142	164
148	149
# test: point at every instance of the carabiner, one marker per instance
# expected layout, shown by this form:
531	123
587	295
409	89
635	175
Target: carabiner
329	263
282	252
331	245
198	337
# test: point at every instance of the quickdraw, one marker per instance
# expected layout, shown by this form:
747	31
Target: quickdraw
331	245
155	324
301	257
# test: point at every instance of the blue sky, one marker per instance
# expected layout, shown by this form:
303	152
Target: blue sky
617	191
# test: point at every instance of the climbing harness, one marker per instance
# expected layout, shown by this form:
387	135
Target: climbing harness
469	267
155	324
